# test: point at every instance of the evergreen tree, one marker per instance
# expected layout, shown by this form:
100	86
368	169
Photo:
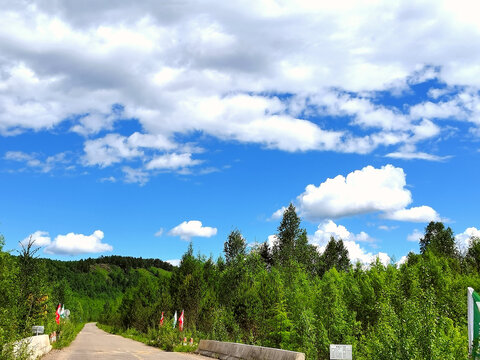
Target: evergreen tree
235	246
266	253
335	255
288	232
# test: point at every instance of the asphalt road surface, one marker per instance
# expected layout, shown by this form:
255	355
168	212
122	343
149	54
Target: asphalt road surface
93	343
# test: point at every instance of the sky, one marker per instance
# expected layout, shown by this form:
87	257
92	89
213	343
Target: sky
133	128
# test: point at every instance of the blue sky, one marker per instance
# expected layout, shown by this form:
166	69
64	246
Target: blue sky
133	130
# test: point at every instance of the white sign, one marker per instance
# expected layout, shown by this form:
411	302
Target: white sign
340	352
38	329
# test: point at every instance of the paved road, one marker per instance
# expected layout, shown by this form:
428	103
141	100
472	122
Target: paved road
93	343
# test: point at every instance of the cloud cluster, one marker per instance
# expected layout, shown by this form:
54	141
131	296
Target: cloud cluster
38	162
368	190
356	253
193	228
224	69
39	239
328	228
463	239
76	244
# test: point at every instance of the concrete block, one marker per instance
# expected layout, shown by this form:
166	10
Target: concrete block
35	346
233	351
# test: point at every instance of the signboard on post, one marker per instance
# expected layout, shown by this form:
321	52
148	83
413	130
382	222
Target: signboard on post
38	330
340	352
473	302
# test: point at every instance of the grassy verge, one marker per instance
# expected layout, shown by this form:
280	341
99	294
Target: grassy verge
165	338
68	334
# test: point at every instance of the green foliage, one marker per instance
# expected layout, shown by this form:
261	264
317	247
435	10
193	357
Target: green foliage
439	240
473	253
67	334
234	247
334	256
287	297
287	234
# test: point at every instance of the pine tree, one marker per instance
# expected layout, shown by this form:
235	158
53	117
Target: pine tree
287	235
235	246
335	255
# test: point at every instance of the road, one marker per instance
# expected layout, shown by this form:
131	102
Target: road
93	343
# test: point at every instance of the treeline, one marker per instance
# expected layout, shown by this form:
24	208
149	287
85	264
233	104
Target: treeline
123	262
32	287
289	296
286	296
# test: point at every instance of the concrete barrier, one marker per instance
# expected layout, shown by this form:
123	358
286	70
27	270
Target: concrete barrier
233	351
34	346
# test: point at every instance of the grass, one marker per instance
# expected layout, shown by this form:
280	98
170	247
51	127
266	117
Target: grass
165	338
68	334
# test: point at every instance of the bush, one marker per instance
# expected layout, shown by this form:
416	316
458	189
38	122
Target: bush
68	332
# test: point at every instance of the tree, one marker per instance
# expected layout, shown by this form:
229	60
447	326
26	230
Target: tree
335	255
32	285
439	240
265	253
288	232
473	253
235	246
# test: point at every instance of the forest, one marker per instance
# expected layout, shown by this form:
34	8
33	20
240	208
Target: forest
285	296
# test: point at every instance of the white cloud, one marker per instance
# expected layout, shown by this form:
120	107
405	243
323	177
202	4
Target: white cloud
328	228
414	214
279	213
137	176
75	244
40	238
272	240
74	63
38	162
363	191
463	239
108	150
172	162
416	156
402	260
159	232
174	262
387	228
415	236
193	228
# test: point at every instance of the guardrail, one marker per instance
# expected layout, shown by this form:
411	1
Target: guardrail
233	351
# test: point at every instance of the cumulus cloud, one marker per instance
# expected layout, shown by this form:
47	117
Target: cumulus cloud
193	228
363	191
74	63
463	239
159	232
328	228
414	214
40	238
272	240
356	253
75	244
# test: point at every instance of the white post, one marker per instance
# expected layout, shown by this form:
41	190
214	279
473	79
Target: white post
470	318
